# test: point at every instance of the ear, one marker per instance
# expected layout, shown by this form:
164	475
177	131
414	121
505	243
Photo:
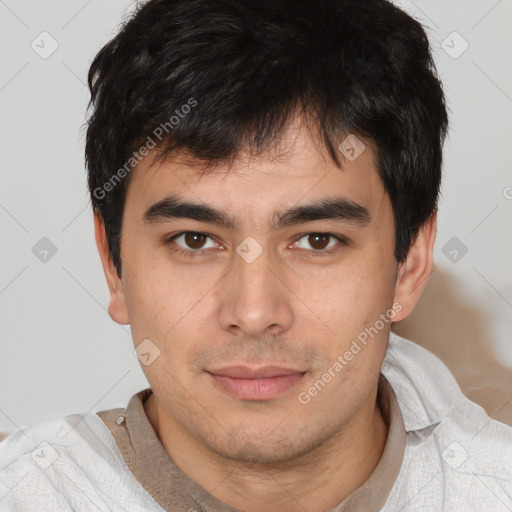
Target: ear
414	272
117	308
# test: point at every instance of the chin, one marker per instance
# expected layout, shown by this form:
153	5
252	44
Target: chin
249	448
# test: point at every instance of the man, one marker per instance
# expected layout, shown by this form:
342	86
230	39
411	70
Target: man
264	179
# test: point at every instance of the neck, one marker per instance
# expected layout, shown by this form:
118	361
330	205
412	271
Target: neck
318	480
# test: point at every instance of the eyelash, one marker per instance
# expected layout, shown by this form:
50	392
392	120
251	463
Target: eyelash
198	252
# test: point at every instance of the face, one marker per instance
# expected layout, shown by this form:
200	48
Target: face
251	324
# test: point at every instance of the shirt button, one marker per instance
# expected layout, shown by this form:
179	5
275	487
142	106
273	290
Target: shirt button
120	420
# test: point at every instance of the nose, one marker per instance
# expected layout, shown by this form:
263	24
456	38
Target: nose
255	298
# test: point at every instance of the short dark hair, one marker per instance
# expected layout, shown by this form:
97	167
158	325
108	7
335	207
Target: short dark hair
243	68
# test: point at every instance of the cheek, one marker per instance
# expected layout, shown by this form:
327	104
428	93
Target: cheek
350	303
345	295
156	289
168	308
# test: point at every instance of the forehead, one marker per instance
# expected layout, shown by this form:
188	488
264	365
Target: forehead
297	170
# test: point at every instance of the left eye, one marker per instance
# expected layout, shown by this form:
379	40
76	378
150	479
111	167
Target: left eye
319	241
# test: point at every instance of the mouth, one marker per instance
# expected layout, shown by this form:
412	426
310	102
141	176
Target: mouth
256	384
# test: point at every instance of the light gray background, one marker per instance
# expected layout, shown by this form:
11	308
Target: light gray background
60	351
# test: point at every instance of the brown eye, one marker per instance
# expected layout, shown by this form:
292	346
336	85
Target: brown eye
318	241
194	240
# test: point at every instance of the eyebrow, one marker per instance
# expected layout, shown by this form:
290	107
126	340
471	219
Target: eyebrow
336	208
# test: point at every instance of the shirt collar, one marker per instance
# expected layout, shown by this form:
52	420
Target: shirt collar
426	390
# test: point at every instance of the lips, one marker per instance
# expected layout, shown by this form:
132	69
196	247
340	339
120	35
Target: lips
256	384
245	372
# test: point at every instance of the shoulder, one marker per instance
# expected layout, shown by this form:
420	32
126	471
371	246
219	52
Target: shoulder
26	460
68	464
428	392
451	441
44	464
54	437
